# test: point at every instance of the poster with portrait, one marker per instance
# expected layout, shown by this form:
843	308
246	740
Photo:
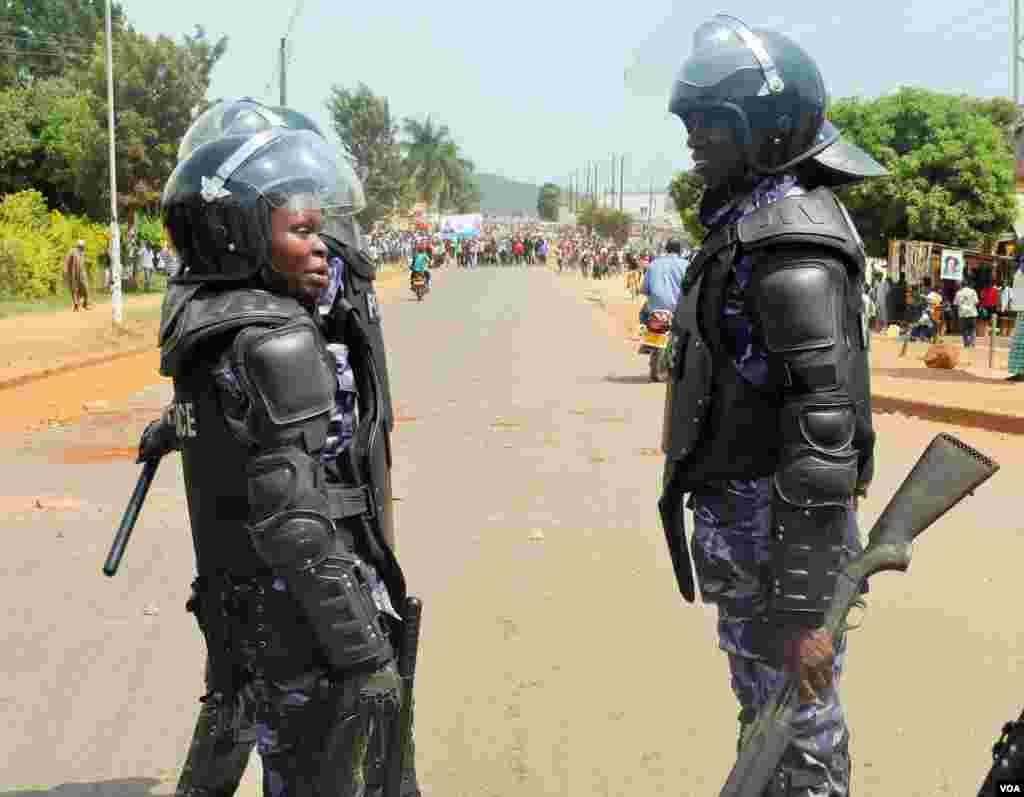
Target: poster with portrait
953	264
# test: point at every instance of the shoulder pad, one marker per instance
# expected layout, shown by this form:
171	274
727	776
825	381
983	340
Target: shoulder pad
356	259
199	312
286	372
816	218
359	261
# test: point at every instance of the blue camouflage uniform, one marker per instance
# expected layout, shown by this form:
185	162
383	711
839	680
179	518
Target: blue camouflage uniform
732	552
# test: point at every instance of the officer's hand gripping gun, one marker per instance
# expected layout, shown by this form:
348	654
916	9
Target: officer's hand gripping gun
946	472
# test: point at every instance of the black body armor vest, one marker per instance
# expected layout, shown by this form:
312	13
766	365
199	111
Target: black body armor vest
717	425
197	326
239	611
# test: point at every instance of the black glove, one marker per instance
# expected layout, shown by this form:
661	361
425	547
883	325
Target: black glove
159	438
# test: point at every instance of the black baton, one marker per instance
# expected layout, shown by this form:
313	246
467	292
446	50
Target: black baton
131	514
401	731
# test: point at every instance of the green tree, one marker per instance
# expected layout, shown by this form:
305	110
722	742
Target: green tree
49	140
462	192
49	38
433	160
606	222
951	171
687	191
53	130
465	195
364	124
1003	112
547	201
161	86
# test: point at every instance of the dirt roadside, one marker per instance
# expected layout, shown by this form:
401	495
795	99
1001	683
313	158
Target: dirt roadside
57	367
970	395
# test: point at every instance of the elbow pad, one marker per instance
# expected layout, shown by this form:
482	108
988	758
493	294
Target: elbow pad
290	385
802	312
811	498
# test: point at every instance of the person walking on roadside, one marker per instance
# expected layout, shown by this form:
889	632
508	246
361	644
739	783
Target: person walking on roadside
75	276
966	301
148	265
882	302
933	299
870	309
1015	363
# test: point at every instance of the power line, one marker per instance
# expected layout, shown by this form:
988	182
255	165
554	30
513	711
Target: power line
54	38
8	50
11	41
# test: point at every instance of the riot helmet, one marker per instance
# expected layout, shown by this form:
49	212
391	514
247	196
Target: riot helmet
344	229
239	162
774	98
240	117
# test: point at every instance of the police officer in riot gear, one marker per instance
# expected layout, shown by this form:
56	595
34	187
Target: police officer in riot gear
768	435
282	414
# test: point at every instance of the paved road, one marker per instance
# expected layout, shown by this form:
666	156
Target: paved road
557	658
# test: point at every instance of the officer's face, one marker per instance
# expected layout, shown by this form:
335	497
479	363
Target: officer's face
297	252
717	157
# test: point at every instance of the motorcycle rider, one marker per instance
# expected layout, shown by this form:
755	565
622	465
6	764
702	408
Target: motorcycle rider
282	414
662	280
420	265
768	409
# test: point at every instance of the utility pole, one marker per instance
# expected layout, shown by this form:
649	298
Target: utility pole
611	184
284	50
1015	54
622	179
284	73
650	213
115	233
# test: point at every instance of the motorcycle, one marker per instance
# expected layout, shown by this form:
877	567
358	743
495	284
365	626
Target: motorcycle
654	343
419	285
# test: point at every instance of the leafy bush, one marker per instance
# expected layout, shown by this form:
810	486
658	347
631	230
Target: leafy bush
151	231
34	241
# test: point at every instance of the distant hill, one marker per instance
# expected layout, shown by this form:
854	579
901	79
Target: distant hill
502	196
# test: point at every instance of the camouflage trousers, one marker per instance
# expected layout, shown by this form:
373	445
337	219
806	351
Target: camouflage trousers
315	737
732	553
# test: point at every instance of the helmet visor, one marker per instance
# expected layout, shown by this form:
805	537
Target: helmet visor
222	119
299	170
728	61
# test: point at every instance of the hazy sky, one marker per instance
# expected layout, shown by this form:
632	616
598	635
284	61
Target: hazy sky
533	89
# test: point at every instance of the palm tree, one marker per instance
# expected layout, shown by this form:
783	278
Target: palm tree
435	166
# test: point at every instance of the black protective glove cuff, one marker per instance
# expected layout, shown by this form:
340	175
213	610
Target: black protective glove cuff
159	438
